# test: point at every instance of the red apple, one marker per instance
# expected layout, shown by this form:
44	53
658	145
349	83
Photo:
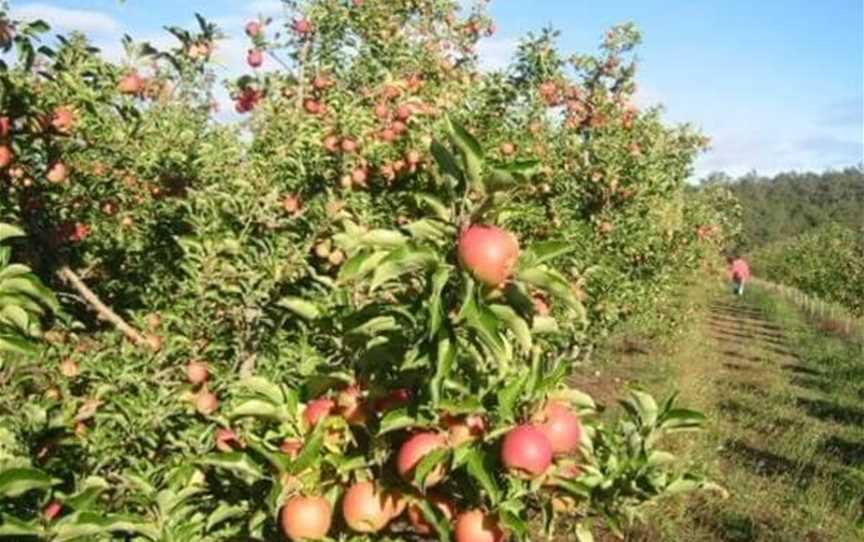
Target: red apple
477	526
414	450
317	410
526	450
306	518
489	253
561	427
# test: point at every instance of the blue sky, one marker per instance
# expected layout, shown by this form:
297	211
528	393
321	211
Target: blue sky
776	84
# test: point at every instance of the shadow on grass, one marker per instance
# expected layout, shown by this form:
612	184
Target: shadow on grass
769	464
828	411
848	452
739	355
800	369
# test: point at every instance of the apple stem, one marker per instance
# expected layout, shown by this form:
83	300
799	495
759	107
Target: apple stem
102	310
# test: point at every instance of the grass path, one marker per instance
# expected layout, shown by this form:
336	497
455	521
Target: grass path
786	430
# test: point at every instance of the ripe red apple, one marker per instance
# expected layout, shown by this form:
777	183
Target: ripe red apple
253	29
322	82
526	450
398	127
317	410
477	526
5	156
388	135
306	518
359	176
255	57
331	143
302	26
291	447
489	253
350	400
403	112
313	107
414	450
5	126
367	508
63	120
226	439
291	204
507	149
131	83
57	172
206	402
52	510
349	145
197	372
561	427
418	520
382	111
394	399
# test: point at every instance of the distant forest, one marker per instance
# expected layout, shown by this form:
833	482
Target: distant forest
790	204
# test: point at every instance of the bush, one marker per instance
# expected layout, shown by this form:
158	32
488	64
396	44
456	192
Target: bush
255	319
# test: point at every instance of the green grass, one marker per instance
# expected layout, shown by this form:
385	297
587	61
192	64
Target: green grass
786	423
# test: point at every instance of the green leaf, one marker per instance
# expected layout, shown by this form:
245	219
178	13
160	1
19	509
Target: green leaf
544	251
9	231
16	482
514	524
515	323
480	466
472	153
426	465
258	409
374	326
224	512
444	359
442	212
395	420
302	308
447	164
583	533
681	419
261	386
18	345
554	283
402	261
508	397
436	519
237	462
436	313
641	407
311	450
91	524
12	526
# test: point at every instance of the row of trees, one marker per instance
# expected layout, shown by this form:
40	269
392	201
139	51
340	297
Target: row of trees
787	205
827	262
370	298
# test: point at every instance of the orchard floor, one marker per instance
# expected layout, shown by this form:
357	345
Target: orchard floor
785	435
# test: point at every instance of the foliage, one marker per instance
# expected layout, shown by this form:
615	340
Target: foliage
311	261
791	204
827	262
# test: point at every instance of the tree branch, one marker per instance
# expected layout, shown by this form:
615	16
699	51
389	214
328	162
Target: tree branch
104	312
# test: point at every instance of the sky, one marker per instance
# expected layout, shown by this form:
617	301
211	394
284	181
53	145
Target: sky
778	85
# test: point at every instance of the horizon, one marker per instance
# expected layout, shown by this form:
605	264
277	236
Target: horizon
789	74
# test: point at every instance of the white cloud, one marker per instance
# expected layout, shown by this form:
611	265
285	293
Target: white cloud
82	20
496	53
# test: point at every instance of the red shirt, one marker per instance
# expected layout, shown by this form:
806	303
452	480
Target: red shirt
739	270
